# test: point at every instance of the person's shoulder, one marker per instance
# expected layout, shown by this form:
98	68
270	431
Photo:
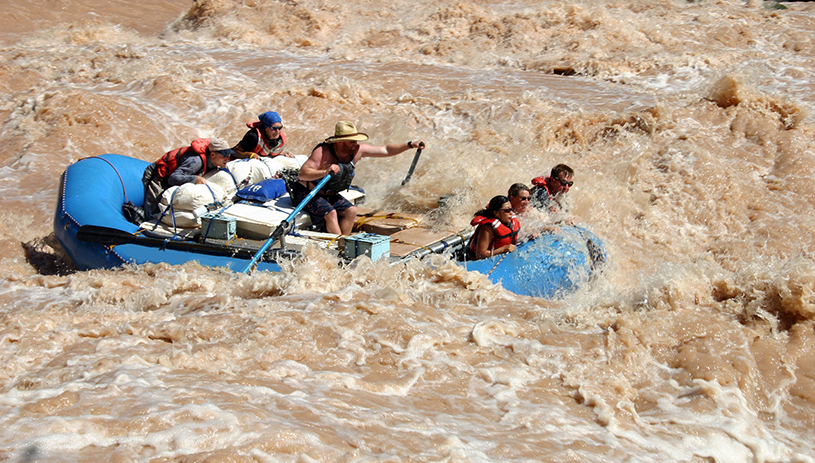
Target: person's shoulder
191	159
320	149
251	134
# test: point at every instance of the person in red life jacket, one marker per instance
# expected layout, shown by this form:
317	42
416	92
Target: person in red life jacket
497	229
264	138
183	165
337	156
549	193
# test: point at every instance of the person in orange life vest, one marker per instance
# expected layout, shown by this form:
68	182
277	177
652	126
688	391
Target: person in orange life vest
549	193
264	138
338	155
497	229
183	165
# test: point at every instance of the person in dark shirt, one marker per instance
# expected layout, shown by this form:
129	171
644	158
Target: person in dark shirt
265	138
338	156
183	165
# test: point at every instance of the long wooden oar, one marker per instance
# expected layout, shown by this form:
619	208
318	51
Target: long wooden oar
413	165
284	225
113	236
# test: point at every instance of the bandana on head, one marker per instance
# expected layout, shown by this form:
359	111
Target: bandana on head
270	117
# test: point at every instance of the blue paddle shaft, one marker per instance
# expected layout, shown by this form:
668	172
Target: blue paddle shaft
285	224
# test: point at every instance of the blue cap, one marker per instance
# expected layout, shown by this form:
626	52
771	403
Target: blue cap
270	117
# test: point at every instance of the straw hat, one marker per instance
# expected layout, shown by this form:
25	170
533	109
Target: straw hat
346	131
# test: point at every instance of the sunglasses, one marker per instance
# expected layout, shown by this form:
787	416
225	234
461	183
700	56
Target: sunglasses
565	183
279	127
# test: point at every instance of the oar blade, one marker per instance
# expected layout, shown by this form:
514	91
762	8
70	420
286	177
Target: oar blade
413	164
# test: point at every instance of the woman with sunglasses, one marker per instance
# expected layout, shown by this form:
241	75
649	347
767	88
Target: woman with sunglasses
519	196
265	138
497	230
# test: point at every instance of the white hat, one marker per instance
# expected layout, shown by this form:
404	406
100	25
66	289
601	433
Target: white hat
220	146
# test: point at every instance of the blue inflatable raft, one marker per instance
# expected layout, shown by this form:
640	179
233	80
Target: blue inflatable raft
91	227
92	193
551	266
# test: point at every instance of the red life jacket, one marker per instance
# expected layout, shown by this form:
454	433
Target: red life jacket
543	195
504	235
264	146
540	181
168	163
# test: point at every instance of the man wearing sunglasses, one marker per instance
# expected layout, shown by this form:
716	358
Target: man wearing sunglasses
549	193
337	156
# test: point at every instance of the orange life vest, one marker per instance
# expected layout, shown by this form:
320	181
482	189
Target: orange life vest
168	163
264	146
504	235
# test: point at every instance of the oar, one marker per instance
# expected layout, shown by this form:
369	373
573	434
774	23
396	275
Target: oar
284	225
113	236
413	165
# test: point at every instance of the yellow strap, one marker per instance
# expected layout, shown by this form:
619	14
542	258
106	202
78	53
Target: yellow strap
140	232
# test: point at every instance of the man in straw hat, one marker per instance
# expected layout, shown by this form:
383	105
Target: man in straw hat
338	155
